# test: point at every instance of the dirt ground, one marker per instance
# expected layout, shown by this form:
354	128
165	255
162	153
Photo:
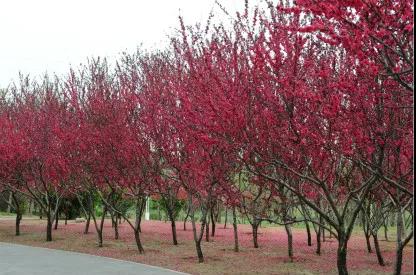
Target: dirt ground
270	258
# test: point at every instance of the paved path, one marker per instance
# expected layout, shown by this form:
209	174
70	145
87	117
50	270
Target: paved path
27	260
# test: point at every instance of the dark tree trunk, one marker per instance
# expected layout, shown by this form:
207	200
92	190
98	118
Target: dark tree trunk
399	260
378	250
308	232
236	248
255	226
140	206
289	241
342	255
225	218
199	251
399	243
114	224
100	238
101	227
66	218
367	240
138	242
173	226
207	228
198	239
18	219
116	234
386	237
212	224
18	209
87	224
140	203
170	211
49	228
366	230
318	241
56	221
288	229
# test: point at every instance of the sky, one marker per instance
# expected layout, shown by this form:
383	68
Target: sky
39	36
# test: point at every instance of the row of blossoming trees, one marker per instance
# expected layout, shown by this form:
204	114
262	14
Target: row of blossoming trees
292	109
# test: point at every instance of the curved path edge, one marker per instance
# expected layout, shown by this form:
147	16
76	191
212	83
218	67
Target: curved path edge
19	259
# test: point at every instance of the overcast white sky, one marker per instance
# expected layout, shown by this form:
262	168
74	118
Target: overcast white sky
50	35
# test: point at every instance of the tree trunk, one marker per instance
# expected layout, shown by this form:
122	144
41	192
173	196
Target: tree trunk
366	230
236	248
66	218
114	224
386	236
100	238
116	234
170	212
199	251
137	229
225	218
49	228
185	220
18	219
173	226
138	242
87	224
399	246
289	241
342	255
207	228
255	226
399	260
318	241
140	206
212	224
101	227
56	221
378	251
196	239
308	232
367	240
19	213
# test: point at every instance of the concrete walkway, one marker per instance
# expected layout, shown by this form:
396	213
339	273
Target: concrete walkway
26	260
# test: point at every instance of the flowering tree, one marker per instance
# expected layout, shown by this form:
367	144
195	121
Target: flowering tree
304	104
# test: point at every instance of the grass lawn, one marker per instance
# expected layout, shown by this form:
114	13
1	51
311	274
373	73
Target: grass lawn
270	258
7	214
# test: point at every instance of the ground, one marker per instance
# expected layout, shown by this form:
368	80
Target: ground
270	258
